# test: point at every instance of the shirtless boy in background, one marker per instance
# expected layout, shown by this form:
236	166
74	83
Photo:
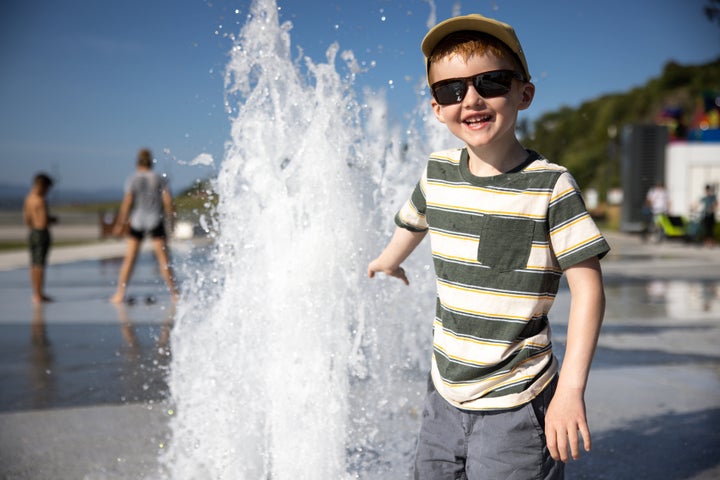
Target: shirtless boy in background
38	220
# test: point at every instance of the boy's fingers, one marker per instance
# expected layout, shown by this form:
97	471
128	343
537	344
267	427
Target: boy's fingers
574	444
562	447
587	442
552	444
400	273
565	446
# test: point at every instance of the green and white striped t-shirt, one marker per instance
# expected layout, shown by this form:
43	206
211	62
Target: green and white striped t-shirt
499	246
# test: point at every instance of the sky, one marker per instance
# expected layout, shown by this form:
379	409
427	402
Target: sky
85	83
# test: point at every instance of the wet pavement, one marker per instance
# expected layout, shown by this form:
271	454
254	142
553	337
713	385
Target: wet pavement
82	381
83	395
69	365
654	393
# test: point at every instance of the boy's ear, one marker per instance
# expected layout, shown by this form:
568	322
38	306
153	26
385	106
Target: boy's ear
528	93
437	110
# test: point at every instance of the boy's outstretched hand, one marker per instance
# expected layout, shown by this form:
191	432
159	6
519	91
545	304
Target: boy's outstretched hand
402	243
397	272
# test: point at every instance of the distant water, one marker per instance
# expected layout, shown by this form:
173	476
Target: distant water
288	362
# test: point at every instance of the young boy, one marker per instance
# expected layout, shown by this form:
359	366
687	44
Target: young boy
505	224
38	220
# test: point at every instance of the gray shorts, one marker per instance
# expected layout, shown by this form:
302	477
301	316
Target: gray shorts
457	444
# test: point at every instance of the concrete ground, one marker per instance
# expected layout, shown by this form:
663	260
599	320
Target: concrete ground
653	397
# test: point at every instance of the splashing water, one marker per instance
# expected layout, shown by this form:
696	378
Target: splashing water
288	363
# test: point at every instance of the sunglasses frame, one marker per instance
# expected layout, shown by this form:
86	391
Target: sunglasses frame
477	82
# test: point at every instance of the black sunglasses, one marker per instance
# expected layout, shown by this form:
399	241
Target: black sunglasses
488	85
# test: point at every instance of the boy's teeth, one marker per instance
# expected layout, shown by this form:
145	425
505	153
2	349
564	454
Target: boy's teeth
477	120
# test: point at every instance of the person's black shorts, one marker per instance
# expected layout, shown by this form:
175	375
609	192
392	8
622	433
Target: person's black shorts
156	232
709	225
39	246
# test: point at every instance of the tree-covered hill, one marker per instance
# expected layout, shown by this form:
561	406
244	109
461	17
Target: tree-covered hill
586	139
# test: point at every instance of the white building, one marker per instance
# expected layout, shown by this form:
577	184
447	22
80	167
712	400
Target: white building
689	166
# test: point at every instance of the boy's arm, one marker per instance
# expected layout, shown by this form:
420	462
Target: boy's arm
42	216
401	245
566	413
27	218
122	217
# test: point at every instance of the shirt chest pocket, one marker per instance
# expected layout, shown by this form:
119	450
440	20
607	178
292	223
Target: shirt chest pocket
505	243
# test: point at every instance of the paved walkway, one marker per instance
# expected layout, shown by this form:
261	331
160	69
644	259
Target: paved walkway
653	397
654	391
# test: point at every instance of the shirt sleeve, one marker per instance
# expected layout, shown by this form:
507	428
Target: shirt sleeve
574	236
412	214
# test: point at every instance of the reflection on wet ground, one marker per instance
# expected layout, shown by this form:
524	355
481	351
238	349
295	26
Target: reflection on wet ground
48	365
661	322
82	350
654	393
684	300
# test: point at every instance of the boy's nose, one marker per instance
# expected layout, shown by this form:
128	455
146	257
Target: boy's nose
472	97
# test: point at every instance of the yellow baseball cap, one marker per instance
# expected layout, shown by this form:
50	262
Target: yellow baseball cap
478	23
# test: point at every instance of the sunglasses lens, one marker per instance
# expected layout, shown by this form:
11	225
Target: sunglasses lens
493	84
451	92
